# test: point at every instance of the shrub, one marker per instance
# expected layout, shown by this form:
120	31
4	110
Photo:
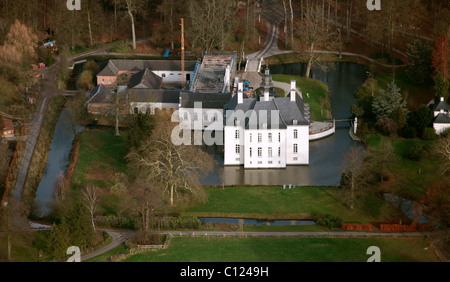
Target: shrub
413	153
409	132
429	134
329	221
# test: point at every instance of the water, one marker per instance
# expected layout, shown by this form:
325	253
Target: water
255	221
57	161
326	155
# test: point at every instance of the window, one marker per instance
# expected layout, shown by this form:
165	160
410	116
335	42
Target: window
251	152
195	116
163	75
250	137
295	134
152	111
279	136
205	117
259	137
236	134
270	152
259	152
295	149
279	152
136	110
238	149
270	137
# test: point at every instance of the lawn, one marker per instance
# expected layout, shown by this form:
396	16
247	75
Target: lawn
319	98
420	174
266	249
101	155
276	203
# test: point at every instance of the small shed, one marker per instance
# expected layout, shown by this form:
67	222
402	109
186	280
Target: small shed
7	127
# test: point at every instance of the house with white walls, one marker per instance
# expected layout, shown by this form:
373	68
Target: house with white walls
266	131
441	120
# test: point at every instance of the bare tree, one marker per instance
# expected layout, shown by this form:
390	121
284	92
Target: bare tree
144	199
315	36
175	167
90	196
442	151
132	7
354	175
13	222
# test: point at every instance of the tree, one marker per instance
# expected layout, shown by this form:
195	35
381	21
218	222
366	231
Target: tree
90	196
421	118
175	167
383	155
144	199
21	39
315	36
441	56
442	152
132	7
441	86
390	99
419	69
211	23
436	203
354	175
141	129
12	222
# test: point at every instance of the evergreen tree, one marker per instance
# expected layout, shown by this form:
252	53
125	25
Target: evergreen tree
419	62
389	100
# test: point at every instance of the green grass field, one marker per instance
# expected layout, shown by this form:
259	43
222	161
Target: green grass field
419	174
319	98
101	155
276	203
265	249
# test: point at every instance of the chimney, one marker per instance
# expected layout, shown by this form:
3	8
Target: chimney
240	97
240	86
442	99
266	96
293	90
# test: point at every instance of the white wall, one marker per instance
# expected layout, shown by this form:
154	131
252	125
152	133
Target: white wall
230	142
440	127
302	141
143	107
264	161
172	76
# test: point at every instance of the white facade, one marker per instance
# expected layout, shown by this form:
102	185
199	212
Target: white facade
440	127
173	76
265	147
200	119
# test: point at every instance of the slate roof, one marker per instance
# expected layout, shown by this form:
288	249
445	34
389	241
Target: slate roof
287	112
145	79
154	96
442	118
441	106
113	66
106	95
209	100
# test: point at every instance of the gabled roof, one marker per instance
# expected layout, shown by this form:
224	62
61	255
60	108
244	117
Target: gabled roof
442	105
442	118
145	79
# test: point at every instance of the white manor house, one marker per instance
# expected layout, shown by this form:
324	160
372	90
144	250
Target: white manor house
266	131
